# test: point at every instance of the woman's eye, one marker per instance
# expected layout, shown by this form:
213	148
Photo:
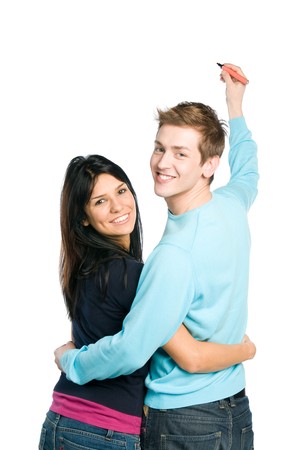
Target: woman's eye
100	201
122	191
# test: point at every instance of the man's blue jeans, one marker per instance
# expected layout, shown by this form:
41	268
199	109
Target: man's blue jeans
221	425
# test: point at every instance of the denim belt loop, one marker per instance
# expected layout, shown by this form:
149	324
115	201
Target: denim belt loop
232	401
109	435
222	404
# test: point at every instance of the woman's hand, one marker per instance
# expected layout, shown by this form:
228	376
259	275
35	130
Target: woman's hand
251	346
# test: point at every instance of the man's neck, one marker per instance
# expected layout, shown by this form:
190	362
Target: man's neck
181	203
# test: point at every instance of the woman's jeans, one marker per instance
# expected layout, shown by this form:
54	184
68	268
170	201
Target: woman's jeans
61	433
220	425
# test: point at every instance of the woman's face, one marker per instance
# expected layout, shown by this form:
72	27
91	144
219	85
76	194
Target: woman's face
111	209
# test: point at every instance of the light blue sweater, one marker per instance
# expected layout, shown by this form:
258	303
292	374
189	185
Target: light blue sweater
197	274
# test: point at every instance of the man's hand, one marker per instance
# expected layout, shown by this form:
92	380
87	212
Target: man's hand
234	91
60	351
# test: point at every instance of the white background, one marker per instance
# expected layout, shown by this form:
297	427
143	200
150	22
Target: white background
82	77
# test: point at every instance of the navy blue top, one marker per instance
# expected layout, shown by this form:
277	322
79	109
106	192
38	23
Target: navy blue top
102	315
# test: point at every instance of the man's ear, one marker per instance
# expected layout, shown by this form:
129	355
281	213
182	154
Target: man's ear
210	166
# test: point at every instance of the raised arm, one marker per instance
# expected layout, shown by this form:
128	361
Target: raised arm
196	356
243	150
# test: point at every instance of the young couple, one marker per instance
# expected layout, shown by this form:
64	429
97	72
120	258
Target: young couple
176	324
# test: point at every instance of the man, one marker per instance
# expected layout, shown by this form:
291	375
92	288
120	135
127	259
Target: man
198	275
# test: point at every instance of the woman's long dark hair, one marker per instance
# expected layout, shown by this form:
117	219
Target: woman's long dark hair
83	249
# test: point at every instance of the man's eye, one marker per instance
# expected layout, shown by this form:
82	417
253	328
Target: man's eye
159	150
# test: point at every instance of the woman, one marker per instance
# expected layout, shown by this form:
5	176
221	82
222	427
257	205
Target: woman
100	264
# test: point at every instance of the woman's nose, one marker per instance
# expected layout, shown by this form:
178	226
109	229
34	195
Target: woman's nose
115	205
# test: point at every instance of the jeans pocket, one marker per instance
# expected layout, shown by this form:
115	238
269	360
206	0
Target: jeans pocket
210	441
88	441
247	438
42	439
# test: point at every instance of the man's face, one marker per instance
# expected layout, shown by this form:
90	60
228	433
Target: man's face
176	165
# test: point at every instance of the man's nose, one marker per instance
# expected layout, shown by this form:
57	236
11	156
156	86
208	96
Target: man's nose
164	161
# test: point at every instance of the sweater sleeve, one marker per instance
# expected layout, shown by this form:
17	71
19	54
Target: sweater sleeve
243	163
163	297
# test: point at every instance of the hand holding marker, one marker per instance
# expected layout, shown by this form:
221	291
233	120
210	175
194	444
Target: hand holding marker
234	74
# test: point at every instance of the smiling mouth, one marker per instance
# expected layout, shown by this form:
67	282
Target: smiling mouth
121	219
163	177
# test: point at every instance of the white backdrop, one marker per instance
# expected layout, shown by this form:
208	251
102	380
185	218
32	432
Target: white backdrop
82	77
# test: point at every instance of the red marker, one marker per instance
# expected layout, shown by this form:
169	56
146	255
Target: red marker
234	74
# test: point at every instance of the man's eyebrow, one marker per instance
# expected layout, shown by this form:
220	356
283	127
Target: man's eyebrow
174	147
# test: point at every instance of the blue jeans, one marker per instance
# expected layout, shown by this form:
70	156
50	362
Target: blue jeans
221	425
61	433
